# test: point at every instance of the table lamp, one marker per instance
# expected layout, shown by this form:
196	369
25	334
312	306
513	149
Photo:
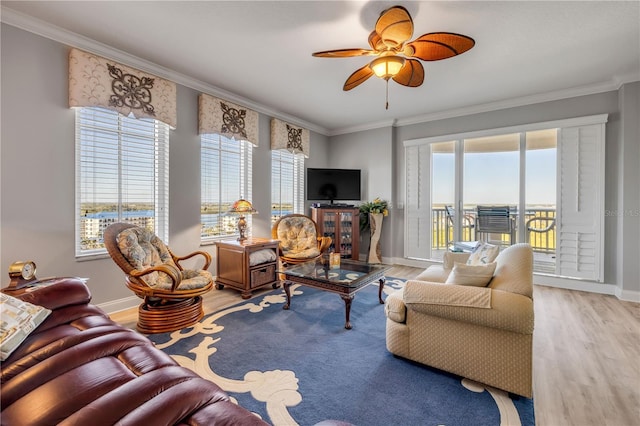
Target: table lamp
242	207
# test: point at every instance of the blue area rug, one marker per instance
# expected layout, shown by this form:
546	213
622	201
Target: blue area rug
301	366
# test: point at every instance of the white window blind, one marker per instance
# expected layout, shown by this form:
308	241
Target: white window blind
122	175
225	177
287	183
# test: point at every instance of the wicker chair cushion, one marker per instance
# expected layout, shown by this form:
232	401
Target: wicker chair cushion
298	239
192	278
143	249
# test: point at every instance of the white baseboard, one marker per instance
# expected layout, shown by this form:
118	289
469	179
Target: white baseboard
628	295
547	280
120	304
571	284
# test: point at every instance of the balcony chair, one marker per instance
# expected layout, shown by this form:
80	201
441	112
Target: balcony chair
172	295
300	239
468	223
495	220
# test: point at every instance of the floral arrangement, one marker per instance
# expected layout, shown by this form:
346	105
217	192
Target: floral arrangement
375	206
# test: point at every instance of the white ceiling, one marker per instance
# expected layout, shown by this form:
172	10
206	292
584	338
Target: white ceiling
526	51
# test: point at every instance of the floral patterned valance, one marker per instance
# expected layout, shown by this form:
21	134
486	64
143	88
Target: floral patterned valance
227	119
98	82
287	136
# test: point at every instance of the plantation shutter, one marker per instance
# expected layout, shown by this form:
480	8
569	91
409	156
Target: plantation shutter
580	234
417	203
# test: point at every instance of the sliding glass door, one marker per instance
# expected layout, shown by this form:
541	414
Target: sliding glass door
443	195
491	186
540	197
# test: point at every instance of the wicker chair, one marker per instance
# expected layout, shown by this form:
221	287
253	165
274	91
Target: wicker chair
299	239
172	295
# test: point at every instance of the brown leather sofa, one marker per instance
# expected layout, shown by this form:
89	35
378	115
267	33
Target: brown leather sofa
79	368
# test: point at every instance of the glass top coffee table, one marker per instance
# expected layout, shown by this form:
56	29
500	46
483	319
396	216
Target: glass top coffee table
351	277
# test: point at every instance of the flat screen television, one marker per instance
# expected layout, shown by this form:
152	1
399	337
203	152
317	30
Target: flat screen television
333	184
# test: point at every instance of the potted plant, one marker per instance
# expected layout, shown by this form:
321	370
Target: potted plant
371	216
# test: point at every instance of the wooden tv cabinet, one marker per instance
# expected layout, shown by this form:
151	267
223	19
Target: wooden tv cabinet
342	224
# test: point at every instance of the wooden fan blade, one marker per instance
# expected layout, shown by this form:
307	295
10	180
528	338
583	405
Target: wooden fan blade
437	46
395	26
357	78
344	53
411	74
375	41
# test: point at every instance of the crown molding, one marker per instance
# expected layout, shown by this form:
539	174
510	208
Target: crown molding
71	39
614	84
363	127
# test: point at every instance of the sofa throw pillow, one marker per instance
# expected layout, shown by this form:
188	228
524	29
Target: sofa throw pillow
18	320
483	254
472	275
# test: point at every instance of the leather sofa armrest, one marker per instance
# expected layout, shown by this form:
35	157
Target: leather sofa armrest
394	307
61	292
506	311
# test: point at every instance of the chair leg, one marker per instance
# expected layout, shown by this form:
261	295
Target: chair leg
173	316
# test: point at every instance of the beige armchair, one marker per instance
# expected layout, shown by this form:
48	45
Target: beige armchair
481	333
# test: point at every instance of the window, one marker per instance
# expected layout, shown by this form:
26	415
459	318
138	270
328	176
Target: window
287	183
549	175
122	175
225	167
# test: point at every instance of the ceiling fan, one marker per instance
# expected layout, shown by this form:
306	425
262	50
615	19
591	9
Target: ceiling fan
389	42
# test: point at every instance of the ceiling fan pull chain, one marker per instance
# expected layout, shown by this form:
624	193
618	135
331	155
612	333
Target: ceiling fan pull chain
387	105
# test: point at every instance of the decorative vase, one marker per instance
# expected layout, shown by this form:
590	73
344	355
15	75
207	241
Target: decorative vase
375	252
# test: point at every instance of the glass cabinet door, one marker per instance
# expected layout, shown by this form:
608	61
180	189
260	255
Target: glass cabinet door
329	229
346	221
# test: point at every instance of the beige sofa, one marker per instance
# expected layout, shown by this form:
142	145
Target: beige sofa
482	333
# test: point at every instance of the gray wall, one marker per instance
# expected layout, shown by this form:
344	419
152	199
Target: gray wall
37	169
370	151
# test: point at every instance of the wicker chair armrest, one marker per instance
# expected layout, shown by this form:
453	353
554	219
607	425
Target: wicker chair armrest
324	243
172	271
204	254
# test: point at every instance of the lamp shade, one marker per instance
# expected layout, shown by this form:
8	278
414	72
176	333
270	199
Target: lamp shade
387	66
242	207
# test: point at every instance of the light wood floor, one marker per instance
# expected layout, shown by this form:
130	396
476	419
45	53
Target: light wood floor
586	354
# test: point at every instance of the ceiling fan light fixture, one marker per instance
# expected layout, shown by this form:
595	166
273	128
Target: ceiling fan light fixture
386	67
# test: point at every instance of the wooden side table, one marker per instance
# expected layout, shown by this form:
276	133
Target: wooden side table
234	269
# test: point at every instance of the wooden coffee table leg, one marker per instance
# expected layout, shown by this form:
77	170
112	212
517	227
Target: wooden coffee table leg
347	310
382	280
286	285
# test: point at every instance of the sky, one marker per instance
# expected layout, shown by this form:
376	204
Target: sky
492	178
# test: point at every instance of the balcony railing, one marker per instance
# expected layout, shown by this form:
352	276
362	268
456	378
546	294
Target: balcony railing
540	229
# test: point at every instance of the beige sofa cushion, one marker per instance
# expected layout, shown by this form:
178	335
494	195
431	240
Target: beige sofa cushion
483	254
514	270
440	273
498	309
472	275
420	292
